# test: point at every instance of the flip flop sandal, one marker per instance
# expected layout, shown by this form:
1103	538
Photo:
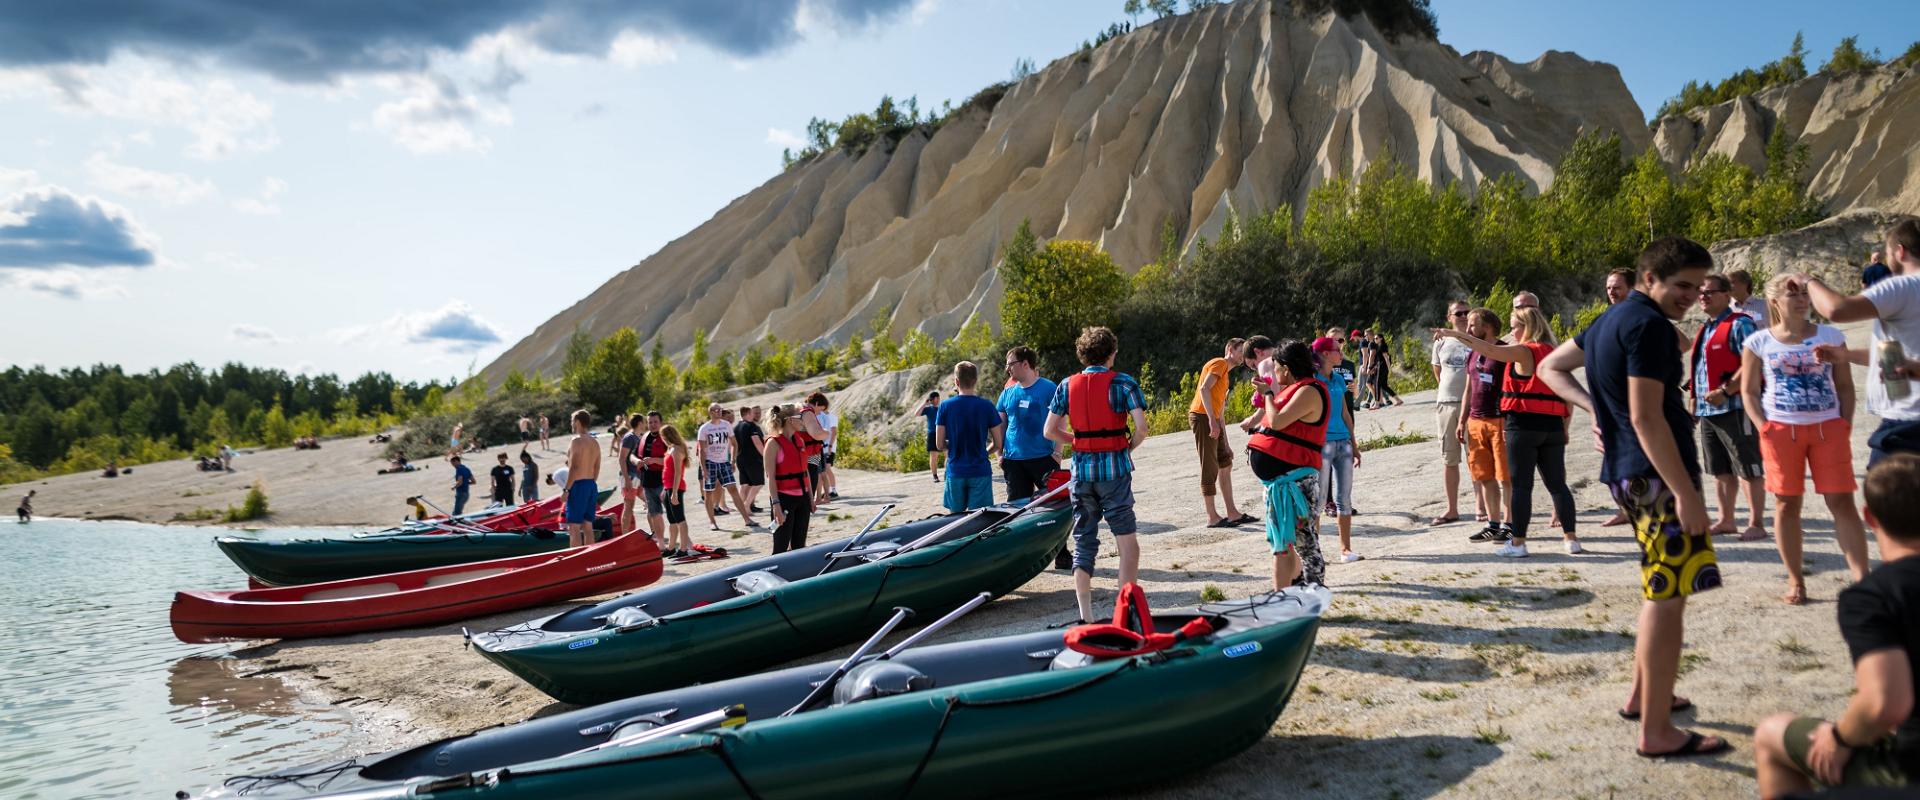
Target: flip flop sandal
1634	716
1690	749
1446	520
1245	519
1223	522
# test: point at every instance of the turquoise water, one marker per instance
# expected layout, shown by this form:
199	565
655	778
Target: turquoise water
97	699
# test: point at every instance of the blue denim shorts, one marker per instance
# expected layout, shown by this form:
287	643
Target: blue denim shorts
1096	500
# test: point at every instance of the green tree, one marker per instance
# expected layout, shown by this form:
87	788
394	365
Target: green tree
1053	292
1162	8
1848	57
614	376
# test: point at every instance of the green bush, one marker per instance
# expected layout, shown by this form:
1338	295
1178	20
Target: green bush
252	508
1053	292
1848	57
1790	68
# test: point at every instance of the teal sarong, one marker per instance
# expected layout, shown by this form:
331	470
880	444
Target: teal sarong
1286	506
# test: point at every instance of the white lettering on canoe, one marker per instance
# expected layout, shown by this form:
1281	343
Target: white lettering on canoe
599	567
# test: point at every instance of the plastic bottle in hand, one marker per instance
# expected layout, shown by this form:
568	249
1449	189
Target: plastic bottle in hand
1892	355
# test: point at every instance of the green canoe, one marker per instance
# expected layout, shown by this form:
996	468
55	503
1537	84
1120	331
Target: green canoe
775	609
1006	717
294	562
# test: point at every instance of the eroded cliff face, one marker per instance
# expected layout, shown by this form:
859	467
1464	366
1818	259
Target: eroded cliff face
1232	110
1861	129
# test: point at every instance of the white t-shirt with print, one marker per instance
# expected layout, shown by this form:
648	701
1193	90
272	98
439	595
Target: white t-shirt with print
1800	389
1450	355
714	438
1897	301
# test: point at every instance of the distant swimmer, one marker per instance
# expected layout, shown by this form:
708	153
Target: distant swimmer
26	506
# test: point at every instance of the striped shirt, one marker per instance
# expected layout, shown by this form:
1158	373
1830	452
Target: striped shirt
1124	396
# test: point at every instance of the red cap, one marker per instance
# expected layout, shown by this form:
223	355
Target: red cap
1355	334
1325	345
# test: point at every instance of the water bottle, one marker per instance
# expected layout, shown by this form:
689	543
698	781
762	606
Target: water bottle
1892	355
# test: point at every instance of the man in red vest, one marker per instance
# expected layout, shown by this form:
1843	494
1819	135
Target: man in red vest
1727	437
1091	411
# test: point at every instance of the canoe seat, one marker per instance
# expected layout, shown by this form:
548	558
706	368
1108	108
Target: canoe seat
631	615
877	679
757	581
1069	659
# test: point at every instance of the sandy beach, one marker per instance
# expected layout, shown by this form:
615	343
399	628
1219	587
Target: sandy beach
1442	670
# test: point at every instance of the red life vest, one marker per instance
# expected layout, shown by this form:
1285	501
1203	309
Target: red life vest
1300	441
809	444
1530	395
1721	360
793	460
1097	428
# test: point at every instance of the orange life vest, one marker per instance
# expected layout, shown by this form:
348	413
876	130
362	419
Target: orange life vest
1721	360
1300	441
1097	428
1531	395
793	459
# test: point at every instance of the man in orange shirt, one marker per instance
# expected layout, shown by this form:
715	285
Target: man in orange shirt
1207	418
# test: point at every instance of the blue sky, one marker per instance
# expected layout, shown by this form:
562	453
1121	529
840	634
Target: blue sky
414	193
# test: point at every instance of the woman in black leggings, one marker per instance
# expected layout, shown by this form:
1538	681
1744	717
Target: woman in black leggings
1383	372
1535	429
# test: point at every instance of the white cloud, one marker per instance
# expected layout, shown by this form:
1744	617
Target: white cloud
784	138
256	334
222	118
453	327
923	11
631	49
12	180
436	117
67	285
263	205
171	188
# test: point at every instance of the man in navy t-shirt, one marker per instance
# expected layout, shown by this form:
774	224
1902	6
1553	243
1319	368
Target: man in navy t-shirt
968	428
1029	456
1632	358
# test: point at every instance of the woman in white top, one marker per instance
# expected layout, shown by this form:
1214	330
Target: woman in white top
1803	408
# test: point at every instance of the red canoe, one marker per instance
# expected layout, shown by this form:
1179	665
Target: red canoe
420	597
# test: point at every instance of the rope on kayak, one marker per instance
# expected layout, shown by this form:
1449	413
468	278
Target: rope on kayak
955	703
248	783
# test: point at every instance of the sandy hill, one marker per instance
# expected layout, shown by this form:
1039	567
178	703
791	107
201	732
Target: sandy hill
1233	109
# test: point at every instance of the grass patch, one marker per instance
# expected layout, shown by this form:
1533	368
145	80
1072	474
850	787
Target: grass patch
1434	752
1439	695
252	508
1212	594
1470	597
1565	591
1491	736
199	515
1542	755
1313	688
1690	660
1793	647
1395	438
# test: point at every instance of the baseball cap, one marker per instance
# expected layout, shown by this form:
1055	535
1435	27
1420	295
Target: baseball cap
1355	334
1325	345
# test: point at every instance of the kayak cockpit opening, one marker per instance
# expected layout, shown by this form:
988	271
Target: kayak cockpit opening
876	679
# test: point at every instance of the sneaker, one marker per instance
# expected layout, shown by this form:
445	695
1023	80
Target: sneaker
833	495
1574	548
1350	557
758	510
1491	533
1511	550
722	511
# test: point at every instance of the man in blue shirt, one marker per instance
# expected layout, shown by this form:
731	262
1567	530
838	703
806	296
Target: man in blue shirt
1028	457
1875	271
462	483
1726	434
1632	358
1104	431
968	428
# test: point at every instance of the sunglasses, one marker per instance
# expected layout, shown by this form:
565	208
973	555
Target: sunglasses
1517	308
1713	291
1458	314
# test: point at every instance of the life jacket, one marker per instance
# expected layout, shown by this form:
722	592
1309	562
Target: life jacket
1300	441
810	445
793	459
1531	395
1097	428
1721	360
1131	633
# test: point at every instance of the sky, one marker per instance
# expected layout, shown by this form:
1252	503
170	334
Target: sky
354	185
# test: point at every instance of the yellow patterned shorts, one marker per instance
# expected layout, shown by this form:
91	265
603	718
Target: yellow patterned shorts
1672	564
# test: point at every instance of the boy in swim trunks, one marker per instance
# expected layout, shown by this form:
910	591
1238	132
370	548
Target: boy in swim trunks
583	470
1632	358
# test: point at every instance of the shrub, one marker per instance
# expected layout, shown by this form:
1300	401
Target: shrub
252	508
1053	292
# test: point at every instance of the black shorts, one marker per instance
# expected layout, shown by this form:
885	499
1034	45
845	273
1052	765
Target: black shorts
813	474
751	474
1731	445
1027	477
829	458
932	447
677	508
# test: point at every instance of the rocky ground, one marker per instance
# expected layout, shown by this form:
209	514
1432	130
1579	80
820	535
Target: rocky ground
1441	671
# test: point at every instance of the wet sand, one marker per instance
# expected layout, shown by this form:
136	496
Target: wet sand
1442	670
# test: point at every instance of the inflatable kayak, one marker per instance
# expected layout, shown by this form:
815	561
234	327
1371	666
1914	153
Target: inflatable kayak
1042	714
419	597
537	514
772	610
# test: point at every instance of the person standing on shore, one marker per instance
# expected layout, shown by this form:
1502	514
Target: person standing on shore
1804	412
1874	272
930	410
1285	454
502	474
1338	457
1206	417
716	466
462	484
673	493
969	429
529	478
1619	285
1632	359
1363	348
748	443
1894	306
1383	374
829	488
651	459
1483	432
526	429
543	433
1091	411
582	481
1449	364
1028	457
1874	741
1746	301
792	500
26	506
1732	445
1535	426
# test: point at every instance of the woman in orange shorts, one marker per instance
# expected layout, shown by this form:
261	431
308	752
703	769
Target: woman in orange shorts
1803	408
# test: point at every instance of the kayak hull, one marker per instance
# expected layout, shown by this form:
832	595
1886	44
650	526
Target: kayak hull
999	720
418	597
292	562
733	634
